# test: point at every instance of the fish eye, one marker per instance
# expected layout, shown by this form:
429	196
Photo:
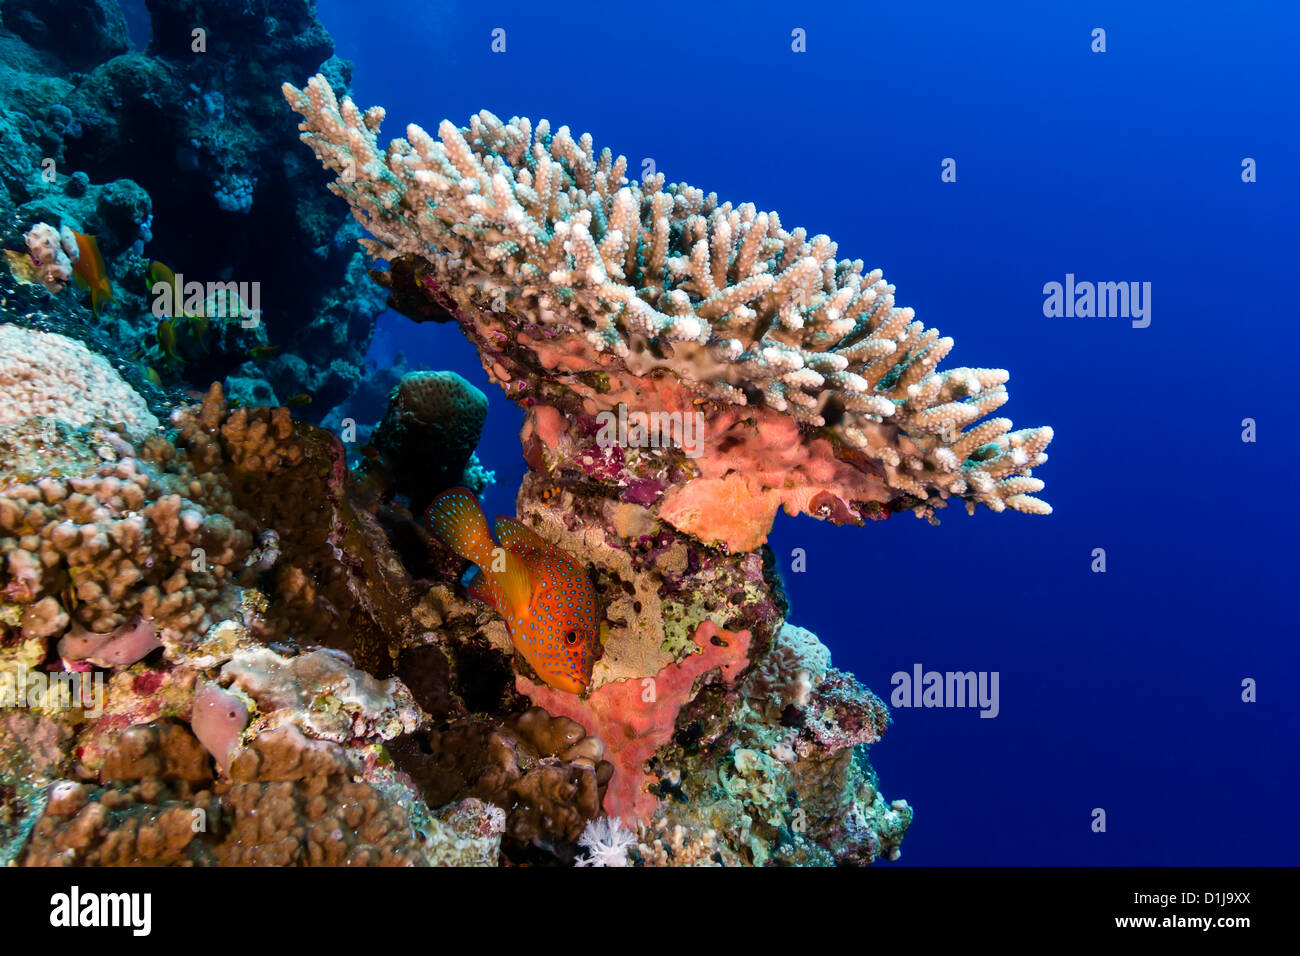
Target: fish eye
571	637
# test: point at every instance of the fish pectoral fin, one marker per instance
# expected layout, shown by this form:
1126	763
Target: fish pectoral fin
481	588
517	584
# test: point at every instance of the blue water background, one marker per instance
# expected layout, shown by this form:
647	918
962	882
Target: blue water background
1120	690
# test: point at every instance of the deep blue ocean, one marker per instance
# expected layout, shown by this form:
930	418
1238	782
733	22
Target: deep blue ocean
1120	691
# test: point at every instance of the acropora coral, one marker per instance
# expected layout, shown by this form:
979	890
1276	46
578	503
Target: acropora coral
608	285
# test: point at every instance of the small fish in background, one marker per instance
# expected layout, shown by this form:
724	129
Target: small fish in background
159	274
152	377
302	398
372	471
167	342
544	595
196	327
90	272
261	353
199	329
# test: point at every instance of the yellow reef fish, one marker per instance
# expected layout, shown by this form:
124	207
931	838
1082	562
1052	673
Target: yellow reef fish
199	328
545	595
90	272
167	340
302	398
160	273
151	375
260	352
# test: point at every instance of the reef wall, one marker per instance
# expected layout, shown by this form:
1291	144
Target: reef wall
182	152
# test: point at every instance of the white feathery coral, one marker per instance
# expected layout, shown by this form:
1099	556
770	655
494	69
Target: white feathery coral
606	841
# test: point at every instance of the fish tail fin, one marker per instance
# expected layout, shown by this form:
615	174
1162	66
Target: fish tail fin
455	518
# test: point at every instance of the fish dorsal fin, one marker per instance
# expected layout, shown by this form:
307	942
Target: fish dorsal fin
523	540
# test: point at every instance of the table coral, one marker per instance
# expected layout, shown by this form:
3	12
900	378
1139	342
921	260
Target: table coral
526	234
347	704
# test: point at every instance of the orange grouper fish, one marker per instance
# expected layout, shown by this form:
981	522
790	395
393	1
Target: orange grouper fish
545	596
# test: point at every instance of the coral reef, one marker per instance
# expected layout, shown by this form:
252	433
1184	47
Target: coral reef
270	660
637	717
76	102
606	842
81	33
544	771
138	533
289	802
722	734
686	369
51	255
